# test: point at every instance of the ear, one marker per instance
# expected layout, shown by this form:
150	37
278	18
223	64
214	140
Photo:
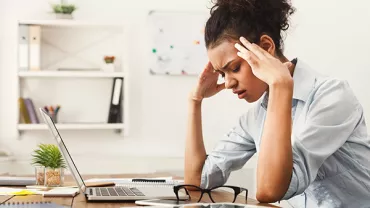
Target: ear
267	44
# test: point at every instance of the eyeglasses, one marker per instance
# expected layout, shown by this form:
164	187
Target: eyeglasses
213	193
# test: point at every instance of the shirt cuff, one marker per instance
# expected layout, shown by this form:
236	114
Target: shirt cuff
293	187
203	180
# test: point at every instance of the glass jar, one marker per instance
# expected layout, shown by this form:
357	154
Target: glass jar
54	177
40	175
53	117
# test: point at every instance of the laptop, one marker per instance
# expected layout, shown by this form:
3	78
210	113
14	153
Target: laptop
116	193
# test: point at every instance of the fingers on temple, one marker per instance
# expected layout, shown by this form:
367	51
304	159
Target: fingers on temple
258	51
250	58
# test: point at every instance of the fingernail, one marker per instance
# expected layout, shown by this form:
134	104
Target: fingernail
242	38
239	54
237	45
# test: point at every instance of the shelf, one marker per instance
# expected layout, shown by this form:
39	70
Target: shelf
79	126
57	74
68	23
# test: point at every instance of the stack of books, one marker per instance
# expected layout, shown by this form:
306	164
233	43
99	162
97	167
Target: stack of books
27	112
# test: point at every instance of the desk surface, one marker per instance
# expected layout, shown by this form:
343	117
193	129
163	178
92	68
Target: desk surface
80	201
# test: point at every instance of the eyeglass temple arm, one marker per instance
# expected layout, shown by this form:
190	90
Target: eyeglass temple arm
246	192
176	190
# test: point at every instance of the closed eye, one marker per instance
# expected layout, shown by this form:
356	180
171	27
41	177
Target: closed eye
236	69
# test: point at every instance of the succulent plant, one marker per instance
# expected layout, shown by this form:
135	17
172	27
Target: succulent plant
48	155
64	8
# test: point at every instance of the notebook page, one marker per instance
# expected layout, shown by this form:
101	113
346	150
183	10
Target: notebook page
167	181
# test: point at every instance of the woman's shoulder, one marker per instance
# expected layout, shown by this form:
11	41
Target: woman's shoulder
333	91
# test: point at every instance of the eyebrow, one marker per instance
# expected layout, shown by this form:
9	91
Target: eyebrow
226	65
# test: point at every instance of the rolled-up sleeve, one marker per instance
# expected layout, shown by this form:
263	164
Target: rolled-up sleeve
332	116
231	153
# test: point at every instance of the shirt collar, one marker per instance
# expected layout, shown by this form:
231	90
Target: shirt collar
304	79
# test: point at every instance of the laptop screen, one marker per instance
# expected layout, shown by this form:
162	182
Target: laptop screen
67	157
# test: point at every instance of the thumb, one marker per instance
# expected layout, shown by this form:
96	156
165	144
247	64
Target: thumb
220	87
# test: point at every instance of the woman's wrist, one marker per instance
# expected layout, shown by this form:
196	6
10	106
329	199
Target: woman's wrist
281	90
195	101
195	98
282	84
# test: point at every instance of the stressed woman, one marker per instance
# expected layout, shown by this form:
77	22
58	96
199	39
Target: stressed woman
308	130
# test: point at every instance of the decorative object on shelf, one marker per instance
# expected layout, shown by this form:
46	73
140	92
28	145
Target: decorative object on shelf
109	63
53	112
63	10
49	164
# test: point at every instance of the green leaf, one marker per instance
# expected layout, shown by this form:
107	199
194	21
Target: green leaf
64	8
48	155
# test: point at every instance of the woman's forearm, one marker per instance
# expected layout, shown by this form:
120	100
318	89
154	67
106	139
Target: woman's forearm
275	162
195	153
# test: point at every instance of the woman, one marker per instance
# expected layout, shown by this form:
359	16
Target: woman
308	130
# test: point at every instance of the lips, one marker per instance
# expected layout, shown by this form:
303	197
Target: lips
240	93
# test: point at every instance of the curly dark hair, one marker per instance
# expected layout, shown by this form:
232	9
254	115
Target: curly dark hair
231	19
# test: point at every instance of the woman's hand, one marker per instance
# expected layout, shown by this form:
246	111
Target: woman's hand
207	84
264	66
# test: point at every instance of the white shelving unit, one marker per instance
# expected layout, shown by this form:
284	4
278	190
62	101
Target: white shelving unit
68	23
79	126
88	55
57	74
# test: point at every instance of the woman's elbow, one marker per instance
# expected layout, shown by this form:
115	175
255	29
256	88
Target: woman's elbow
268	195
192	179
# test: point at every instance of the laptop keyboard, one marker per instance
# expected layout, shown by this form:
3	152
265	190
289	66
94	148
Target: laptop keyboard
118	191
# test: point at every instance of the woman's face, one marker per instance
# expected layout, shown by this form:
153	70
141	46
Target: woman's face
236	71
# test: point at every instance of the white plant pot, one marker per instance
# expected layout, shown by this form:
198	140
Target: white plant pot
63	16
109	68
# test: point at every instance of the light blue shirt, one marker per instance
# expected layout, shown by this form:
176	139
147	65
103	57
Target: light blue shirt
331	147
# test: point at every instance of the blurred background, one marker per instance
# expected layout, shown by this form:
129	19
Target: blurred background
158	51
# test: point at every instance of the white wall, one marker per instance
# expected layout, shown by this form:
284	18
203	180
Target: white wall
158	104
332	36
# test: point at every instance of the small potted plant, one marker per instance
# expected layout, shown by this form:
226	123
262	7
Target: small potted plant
109	63
64	10
49	165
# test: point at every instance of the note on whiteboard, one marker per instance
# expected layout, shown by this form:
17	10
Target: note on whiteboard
177	42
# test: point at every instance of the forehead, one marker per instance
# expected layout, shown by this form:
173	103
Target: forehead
221	54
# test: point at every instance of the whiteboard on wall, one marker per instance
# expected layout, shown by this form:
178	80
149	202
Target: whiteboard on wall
177	42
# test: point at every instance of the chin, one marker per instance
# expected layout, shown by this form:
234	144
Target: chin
250	99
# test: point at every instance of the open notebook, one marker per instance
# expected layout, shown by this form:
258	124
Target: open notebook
31	204
139	182
57	191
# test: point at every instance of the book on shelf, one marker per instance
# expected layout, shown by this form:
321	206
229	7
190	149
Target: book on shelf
23	44
27	112
115	109
35	47
29	44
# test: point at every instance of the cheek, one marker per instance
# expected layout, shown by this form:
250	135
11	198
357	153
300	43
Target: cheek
248	80
246	76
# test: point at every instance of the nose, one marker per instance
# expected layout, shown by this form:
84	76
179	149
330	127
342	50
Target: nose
229	82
